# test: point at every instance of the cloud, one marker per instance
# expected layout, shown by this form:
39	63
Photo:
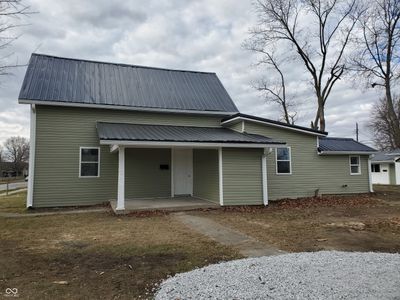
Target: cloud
204	35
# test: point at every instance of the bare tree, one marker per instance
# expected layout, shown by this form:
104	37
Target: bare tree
16	150
11	12
274	91
317	32
1	154
379	60
381	126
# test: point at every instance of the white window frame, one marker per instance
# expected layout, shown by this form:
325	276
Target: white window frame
352	165
290	161
80	162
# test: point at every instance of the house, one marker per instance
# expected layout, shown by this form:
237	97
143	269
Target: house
385	167
102	131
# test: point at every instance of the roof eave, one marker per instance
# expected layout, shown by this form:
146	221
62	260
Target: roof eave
161	144
346	152
242	118
120	107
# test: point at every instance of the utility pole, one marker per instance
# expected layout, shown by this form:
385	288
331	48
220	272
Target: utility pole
356	131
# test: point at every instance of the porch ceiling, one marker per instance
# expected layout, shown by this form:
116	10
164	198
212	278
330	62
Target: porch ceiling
114	133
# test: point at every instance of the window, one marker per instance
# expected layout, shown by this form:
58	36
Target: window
283	161
355	165
89	162
376	168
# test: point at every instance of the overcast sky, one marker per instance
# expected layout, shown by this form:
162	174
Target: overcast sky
203	35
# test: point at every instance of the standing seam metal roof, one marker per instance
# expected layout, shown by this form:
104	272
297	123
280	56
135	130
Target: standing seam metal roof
342	145
167	133
58	79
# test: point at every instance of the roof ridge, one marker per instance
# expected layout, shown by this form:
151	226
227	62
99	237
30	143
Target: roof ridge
119	64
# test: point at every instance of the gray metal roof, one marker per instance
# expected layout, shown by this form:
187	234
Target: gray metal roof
387	156
75	81
334	144
383	157
166	133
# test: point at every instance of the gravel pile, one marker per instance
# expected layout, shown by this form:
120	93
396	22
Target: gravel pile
314	275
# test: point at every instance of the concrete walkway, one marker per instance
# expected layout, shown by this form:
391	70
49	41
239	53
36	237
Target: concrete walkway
246	245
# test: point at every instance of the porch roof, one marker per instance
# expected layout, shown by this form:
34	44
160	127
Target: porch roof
113	133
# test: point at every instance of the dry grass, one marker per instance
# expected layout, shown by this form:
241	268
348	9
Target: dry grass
15	203
99	255
349	223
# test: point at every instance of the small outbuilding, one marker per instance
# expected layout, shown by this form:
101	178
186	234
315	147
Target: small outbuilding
385	167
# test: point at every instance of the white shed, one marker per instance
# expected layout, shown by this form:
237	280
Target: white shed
385	168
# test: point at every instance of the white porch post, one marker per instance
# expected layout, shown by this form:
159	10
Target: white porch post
121	179
264	177
221	179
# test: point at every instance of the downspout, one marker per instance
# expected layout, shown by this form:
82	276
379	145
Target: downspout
264	176
32	148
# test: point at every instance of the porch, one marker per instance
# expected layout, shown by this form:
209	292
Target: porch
169	204
176	167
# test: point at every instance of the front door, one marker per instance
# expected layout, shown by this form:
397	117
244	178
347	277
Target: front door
183	171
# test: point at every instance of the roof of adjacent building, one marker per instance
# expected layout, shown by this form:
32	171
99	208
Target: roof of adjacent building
387	156
335	144
58	80
167	133
240	116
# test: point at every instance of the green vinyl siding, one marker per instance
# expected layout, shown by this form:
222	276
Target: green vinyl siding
242	176
60	131
143	176
206	174
310	171
237	126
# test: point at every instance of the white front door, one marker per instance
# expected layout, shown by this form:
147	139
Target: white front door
183	171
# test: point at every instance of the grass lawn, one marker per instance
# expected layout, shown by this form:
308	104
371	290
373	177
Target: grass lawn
348	223
15	203
98	255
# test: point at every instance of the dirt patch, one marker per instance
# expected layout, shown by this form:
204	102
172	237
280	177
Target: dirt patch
348	223
98	255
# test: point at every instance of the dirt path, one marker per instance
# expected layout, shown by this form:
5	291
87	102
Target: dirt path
246	245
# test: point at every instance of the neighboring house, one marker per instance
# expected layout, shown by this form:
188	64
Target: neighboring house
385	167
7	169
102	131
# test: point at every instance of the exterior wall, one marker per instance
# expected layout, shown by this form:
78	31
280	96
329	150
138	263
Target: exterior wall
237	127
310	171
143	176
392	174
206	174
397	172
242	176
60	131
381	177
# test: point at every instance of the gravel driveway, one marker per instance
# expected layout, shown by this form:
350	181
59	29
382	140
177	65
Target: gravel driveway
313	275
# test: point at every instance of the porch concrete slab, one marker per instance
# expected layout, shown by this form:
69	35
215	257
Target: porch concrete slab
246	245
174	204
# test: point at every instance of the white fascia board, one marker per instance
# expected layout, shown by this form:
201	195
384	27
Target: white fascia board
184	144
121	107
272	124
346	152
